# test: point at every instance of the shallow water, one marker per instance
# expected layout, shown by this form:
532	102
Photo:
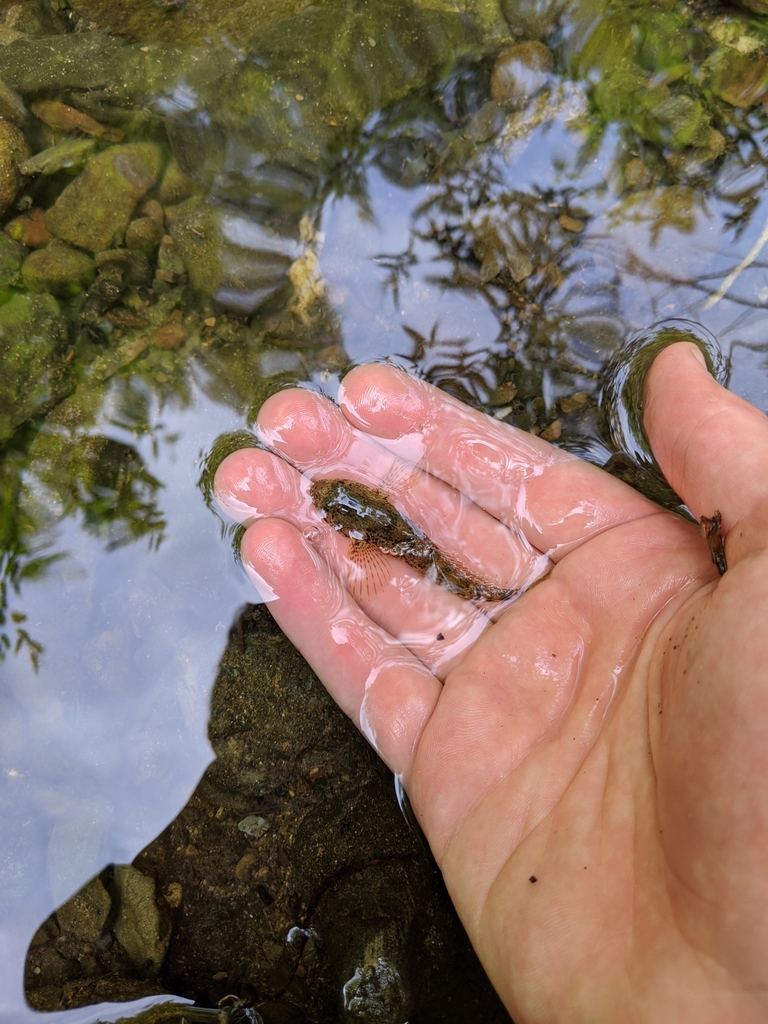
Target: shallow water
504	252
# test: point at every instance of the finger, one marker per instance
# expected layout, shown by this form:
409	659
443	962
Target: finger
250	484
386	691
436	626
311	432
554	499
711	445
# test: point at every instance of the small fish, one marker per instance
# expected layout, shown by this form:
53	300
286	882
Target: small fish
370	520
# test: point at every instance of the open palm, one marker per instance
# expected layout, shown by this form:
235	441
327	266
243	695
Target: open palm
589	760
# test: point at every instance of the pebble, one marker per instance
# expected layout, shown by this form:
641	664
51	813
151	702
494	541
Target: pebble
253	825
96	208
568	223
69	153
29	229
553	431
573	403
520	72
63	118
171	334
58	269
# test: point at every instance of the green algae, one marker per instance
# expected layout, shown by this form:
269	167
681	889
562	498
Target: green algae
32	367
96	208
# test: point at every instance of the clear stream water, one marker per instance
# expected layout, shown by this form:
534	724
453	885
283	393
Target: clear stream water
604	216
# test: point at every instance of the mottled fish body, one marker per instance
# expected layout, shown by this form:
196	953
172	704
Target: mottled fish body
367	516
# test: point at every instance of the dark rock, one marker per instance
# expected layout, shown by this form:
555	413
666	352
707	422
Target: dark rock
290	879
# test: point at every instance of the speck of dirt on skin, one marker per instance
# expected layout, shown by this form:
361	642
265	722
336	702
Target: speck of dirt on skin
533	878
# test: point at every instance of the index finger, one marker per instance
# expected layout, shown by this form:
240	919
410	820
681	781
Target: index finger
554	499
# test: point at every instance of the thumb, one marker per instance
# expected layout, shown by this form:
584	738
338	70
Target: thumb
711	445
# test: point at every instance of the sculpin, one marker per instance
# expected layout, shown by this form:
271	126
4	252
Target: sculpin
369	519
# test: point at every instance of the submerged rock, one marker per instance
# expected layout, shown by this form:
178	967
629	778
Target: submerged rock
13	149
740	79
69	153
11	105
290	880
521	72
58	269
12	255
31	372
94	211
230	257
63	118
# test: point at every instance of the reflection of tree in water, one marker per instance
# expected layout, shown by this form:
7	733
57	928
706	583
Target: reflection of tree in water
514	249
20	559
48	476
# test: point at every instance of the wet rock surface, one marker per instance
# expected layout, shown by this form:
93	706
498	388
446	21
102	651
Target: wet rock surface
13	149
96	208
520	72
290	879
58	269
32	359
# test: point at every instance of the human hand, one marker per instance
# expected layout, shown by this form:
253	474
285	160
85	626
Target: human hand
588	761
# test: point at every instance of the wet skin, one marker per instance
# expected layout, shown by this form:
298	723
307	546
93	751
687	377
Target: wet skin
370	520
588	762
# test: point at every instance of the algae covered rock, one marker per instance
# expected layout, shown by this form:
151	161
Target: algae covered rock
230	257
96	208
740	79
520	72
31	331
12	255
13	149
139	927
58	269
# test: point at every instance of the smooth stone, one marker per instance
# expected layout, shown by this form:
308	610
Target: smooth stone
520	72
58	269
12	255
29	228
94	211
69	153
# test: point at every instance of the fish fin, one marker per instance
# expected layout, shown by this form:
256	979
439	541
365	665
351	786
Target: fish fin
371	564
399	478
